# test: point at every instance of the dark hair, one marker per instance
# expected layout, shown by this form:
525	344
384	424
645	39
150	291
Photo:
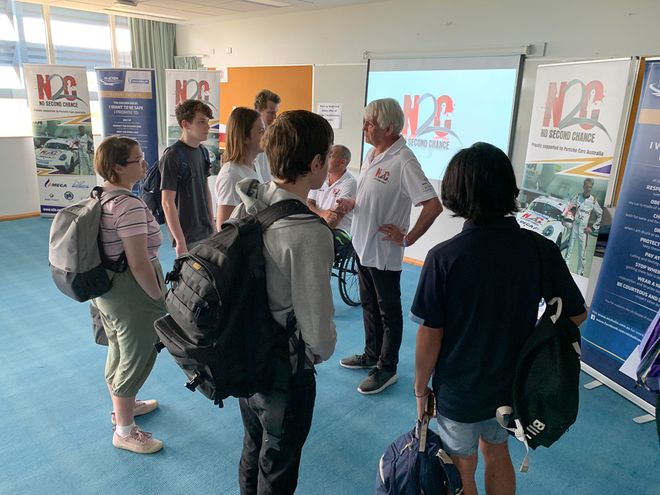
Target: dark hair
479	184
114	150
262	99
589	180
186	110
293	140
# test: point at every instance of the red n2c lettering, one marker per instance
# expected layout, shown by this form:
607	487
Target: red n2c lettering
438	117
588	95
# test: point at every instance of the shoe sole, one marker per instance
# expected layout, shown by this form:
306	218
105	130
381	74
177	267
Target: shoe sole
356	366
127	447
389	382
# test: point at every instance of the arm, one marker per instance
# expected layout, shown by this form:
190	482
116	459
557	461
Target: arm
578	319
209	203
172	220
135	248
427	350
331	218
224	212
599	216
431	208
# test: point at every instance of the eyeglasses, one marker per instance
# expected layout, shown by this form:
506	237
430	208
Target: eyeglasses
139	160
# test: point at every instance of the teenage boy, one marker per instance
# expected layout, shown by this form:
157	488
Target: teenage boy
340	184
267	104
299	256
186	196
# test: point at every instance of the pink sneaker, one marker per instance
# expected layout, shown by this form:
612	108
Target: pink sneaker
140	442
141	407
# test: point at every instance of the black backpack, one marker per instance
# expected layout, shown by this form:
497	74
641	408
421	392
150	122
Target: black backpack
150	186
220	329
546	386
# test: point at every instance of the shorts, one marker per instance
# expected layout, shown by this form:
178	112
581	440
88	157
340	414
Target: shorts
462	439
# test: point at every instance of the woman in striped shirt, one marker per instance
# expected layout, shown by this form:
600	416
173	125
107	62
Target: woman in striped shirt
129	309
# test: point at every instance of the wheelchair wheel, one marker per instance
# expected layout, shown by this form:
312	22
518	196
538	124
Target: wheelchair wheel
349	285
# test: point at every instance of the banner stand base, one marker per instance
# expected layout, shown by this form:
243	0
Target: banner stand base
646	418
592	385
618	388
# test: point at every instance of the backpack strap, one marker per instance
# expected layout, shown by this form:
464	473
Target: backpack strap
282	209
120	264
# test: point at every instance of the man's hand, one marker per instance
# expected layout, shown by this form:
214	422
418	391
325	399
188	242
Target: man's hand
422	402
392	233
345	205
588	230
330	217
180	248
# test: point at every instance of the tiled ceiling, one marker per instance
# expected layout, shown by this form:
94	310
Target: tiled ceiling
197	11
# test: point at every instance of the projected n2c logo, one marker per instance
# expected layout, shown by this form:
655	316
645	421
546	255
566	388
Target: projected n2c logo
427	114
585	112
191	89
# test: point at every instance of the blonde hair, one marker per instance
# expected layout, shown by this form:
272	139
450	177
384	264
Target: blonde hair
239	127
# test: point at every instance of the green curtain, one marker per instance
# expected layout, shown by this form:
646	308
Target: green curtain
153	47
190	63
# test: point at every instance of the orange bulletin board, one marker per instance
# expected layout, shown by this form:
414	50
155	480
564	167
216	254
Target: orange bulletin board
292	83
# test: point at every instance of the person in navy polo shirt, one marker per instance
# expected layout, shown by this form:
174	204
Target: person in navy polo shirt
476	302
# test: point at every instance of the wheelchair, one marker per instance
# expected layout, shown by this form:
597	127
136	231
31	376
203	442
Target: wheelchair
345	269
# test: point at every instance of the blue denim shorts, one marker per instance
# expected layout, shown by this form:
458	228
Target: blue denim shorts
462	439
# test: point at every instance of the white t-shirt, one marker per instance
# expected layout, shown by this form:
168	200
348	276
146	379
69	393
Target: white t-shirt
262	167
225	186
326	197
388	186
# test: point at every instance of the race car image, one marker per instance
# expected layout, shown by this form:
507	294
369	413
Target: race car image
546	215
59	156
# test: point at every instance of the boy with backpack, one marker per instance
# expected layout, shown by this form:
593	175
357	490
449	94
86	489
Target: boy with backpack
476	305
185	168
299	254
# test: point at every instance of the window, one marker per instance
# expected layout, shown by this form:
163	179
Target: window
78	38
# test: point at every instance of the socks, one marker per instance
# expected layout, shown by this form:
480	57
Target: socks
124	431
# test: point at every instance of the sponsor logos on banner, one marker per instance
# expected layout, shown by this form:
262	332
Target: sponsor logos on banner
54	90
434	118
193	89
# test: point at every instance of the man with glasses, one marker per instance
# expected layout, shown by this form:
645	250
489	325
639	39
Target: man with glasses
185	168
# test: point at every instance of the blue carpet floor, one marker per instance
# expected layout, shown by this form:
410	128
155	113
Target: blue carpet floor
56	432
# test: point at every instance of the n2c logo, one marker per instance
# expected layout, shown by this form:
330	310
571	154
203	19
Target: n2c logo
583	113
438	120
64	86
191	89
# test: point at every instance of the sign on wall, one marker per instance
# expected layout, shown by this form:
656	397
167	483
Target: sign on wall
62	134
627	295
199	85
577	115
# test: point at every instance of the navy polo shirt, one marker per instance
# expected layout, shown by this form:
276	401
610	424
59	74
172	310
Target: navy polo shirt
483	288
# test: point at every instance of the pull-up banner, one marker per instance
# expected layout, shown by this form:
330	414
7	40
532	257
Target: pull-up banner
127	99
575	128
627	295
62	131
202	85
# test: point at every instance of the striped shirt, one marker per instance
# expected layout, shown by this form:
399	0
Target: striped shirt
128	216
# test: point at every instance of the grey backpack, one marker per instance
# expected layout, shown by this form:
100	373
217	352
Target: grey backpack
75	252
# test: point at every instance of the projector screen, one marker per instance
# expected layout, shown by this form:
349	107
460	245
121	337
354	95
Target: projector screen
449	103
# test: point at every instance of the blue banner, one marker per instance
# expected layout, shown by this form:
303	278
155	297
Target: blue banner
627	295
127	99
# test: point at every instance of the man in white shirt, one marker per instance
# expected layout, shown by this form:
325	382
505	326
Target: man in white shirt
267	104
585	203
391	181
339	184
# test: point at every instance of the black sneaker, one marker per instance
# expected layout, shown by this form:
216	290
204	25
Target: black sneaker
357	361
377	381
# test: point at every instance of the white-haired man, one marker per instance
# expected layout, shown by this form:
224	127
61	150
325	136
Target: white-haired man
391	181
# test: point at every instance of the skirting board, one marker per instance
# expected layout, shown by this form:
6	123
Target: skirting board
619	389
19	217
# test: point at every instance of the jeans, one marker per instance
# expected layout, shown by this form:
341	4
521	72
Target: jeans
264	469
380	294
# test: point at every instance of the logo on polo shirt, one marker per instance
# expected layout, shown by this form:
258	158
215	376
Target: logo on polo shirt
382	176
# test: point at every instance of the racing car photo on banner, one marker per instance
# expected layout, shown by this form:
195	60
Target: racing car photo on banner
63	148
566	207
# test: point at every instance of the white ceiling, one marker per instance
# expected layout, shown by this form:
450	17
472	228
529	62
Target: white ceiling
197	11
